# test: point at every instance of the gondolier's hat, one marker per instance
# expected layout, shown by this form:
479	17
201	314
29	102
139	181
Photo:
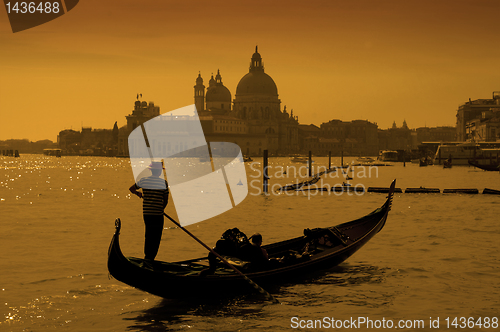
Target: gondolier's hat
156	165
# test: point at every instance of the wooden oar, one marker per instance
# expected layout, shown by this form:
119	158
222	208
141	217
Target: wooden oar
253	284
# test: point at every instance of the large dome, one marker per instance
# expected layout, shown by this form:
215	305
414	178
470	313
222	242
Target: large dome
257	82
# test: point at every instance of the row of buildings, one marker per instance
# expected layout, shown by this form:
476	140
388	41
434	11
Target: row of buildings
7	147
256	121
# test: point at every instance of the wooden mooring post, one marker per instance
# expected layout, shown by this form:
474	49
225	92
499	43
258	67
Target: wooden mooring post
266	177
310	163
329	159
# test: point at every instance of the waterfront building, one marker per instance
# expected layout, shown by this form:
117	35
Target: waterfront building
397	138
25	146
436	134
485	128
141	113
472	110
88	141
355	138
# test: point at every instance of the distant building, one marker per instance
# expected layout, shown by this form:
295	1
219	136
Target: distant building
141	113
397	138
89	142
25	146
472	110
436	134
69	141
485	128
355	138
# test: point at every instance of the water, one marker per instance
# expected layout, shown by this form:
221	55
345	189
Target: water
438	255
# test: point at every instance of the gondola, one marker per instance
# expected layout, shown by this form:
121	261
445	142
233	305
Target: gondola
486	167
325	248
298	186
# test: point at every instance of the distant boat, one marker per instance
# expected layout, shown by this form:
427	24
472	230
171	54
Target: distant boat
447	163
388	155
488	191
461	153
365	160
486	167
425	161
301	160
52	152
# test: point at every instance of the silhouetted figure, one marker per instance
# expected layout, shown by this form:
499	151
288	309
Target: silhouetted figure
254	253
155	198
229	244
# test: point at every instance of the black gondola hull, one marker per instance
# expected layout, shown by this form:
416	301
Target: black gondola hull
182	280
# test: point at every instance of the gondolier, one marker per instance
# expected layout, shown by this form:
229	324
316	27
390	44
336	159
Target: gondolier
155	198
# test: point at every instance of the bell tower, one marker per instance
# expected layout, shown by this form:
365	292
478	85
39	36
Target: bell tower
256	64
199	94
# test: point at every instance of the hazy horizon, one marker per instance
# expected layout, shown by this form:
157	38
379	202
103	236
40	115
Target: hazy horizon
381	61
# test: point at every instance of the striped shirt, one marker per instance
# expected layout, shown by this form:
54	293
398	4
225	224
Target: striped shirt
153	188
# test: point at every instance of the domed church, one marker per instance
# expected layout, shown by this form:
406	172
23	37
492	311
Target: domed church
254	120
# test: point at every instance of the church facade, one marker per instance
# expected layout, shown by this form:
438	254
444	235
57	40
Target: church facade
253	119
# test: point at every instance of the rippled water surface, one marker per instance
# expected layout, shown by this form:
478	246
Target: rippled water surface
437	256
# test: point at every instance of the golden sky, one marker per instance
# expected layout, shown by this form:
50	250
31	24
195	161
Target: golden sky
381	61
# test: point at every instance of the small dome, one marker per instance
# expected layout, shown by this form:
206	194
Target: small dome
199	80
212	81
218	93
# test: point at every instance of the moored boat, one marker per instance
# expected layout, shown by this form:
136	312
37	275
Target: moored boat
301	160
318	249
487	167
461	153
52	152
388	155
488	191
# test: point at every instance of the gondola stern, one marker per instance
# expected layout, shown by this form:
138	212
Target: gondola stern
115	254
388	203
390	195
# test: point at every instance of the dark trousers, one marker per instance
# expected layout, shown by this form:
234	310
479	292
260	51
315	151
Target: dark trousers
154	228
